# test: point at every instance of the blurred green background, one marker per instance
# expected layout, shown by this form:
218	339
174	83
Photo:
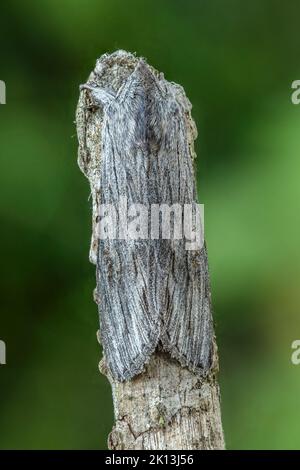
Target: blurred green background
237	61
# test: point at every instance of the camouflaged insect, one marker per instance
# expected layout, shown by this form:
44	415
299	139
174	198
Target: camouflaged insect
151	293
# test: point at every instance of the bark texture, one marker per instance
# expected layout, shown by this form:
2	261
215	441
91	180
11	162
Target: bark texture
167	405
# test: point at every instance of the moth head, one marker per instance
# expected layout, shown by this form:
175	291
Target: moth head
141	97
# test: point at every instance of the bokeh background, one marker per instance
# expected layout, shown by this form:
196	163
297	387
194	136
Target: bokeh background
237	61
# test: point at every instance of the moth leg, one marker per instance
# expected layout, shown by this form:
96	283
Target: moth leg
99	96
98	336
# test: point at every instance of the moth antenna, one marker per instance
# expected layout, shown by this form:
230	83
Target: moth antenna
100	96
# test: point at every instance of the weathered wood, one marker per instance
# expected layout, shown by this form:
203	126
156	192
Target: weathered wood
170	404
